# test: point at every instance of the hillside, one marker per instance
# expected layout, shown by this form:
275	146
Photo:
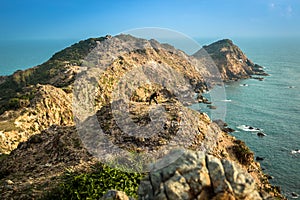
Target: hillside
20	91
232	63
39	165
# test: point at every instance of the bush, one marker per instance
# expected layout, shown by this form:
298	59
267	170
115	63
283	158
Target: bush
14	103
95	184
244	155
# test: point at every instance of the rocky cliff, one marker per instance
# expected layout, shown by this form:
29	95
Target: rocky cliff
231	61
37	123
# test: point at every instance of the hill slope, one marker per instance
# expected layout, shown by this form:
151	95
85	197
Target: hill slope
231	61
20	92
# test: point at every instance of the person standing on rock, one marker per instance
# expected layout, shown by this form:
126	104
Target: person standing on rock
153	97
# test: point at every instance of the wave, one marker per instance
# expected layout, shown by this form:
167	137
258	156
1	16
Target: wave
226	100
244	85
295	151
249	128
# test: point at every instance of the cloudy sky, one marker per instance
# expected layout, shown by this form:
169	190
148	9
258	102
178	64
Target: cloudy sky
41	19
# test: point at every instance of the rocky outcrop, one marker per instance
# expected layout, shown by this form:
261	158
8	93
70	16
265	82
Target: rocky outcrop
231	61
196	175
49	106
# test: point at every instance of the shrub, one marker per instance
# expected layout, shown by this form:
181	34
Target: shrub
244	155
95	184
14	103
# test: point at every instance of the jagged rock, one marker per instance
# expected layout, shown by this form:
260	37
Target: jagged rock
43	93
260	134
221	123
259	158
176	187
198	176
49	106
241	182
217	175
212	107
294	195
231	61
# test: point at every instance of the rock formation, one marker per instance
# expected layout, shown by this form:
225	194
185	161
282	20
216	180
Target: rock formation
50	105
198	176
231	61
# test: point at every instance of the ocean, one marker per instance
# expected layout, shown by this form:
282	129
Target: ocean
271	105
22	54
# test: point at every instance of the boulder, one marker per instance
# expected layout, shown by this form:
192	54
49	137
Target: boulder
260	134
196	175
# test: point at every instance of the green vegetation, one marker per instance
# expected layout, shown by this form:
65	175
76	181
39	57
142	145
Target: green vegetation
42	74
94	184
244	155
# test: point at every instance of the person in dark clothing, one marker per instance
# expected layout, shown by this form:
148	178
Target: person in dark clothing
153	97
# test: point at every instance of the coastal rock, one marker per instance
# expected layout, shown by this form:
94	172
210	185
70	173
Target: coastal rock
259	158
231	61
199	177
261	134
212	107
49	106
217	175
36	165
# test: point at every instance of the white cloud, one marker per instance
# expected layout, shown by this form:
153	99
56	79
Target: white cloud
288	11
272	5
282	10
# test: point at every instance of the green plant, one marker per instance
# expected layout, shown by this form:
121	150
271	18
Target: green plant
94	184
244	155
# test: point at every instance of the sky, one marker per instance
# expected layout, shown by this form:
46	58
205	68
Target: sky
60	19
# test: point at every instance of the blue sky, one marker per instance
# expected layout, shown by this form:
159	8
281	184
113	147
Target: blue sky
24	19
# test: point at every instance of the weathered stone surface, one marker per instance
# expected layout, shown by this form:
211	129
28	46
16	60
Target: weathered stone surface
115	195
199	176
50	106
231	61
177	188
241	183
217	175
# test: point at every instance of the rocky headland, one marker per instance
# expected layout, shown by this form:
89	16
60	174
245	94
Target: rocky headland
39	139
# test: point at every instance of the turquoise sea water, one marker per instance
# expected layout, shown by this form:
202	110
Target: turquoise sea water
22	54
272	105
